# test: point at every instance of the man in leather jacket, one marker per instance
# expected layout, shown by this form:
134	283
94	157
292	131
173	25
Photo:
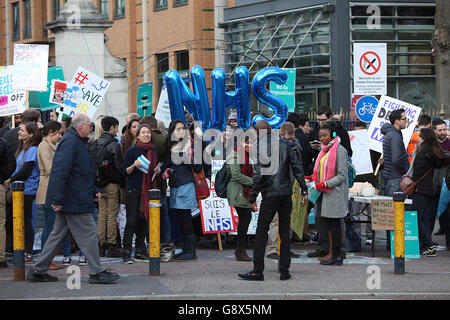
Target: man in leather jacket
276	189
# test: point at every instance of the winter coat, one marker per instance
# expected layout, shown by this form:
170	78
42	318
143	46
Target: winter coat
46	149
72	179
335	203
425	160
396	162
235	194
115	153
7	161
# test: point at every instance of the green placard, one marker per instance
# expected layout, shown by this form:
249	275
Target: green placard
286	91
412	250
40	99
144	99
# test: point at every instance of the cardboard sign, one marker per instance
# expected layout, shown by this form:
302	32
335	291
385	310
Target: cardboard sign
384	109
412	250
382	215
30	67
86	93
163	109
369	68
361	153
216	213
11	101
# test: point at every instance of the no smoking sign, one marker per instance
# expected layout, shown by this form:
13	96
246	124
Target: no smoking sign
369	69
370	63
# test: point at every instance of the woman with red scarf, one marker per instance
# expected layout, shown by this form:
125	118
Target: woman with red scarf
240	168
137	185
331	178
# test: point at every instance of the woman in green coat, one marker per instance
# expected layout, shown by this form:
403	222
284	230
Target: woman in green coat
238	191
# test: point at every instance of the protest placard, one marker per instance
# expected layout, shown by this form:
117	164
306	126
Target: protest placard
359	141
216	213
30	67
385	106
382	215
58	92
11	101
88	90
163	109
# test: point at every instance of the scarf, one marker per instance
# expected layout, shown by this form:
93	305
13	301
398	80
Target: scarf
247	170
328	170
152	156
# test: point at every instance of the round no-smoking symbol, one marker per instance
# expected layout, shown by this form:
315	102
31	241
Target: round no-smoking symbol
370	63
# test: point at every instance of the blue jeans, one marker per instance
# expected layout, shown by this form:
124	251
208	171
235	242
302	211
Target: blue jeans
50	216
165	222
392	186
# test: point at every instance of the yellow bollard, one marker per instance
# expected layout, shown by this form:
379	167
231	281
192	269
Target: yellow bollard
154	238
18	231
399	232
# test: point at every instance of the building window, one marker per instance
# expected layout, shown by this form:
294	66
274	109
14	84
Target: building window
178	3
162	61
407	30
120	9
104	8
160	4
27	13
16	21
56	8
182	60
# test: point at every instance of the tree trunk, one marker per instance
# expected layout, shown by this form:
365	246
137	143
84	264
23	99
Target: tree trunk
441	54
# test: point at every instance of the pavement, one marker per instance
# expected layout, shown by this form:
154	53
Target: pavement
214	276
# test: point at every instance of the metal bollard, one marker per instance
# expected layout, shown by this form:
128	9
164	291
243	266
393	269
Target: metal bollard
399	232
18	231
154	239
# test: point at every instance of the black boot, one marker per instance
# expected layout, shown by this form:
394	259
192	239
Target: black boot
189	249
241	255
102	250
336	257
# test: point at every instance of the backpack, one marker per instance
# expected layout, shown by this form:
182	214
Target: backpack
351	173
102	163
221	182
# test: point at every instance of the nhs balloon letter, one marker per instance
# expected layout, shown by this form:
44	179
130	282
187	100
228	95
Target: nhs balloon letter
180	95
263	95
239	99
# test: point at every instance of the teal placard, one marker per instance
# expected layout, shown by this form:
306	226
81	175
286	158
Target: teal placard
412	250
40	99
286	91
144	106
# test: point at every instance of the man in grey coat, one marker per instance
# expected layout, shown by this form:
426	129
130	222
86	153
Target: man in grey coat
394	152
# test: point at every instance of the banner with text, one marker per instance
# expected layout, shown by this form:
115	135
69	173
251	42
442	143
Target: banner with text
11	101
30	67
385	106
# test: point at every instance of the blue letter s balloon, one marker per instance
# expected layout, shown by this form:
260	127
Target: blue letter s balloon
262	94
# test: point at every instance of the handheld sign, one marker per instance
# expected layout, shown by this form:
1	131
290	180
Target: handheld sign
11	101
30	67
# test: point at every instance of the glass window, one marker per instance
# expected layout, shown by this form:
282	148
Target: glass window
160	4
180	2
56	8
119	9
182	60
162	59
27	20
104	8
16	21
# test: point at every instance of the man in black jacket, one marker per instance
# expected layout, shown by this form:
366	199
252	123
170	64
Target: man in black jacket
108	160
276	189
7	167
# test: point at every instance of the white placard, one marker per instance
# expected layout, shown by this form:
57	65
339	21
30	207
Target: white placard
385	107
30	67
163	109
369	69
361	153
88	91
11	101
